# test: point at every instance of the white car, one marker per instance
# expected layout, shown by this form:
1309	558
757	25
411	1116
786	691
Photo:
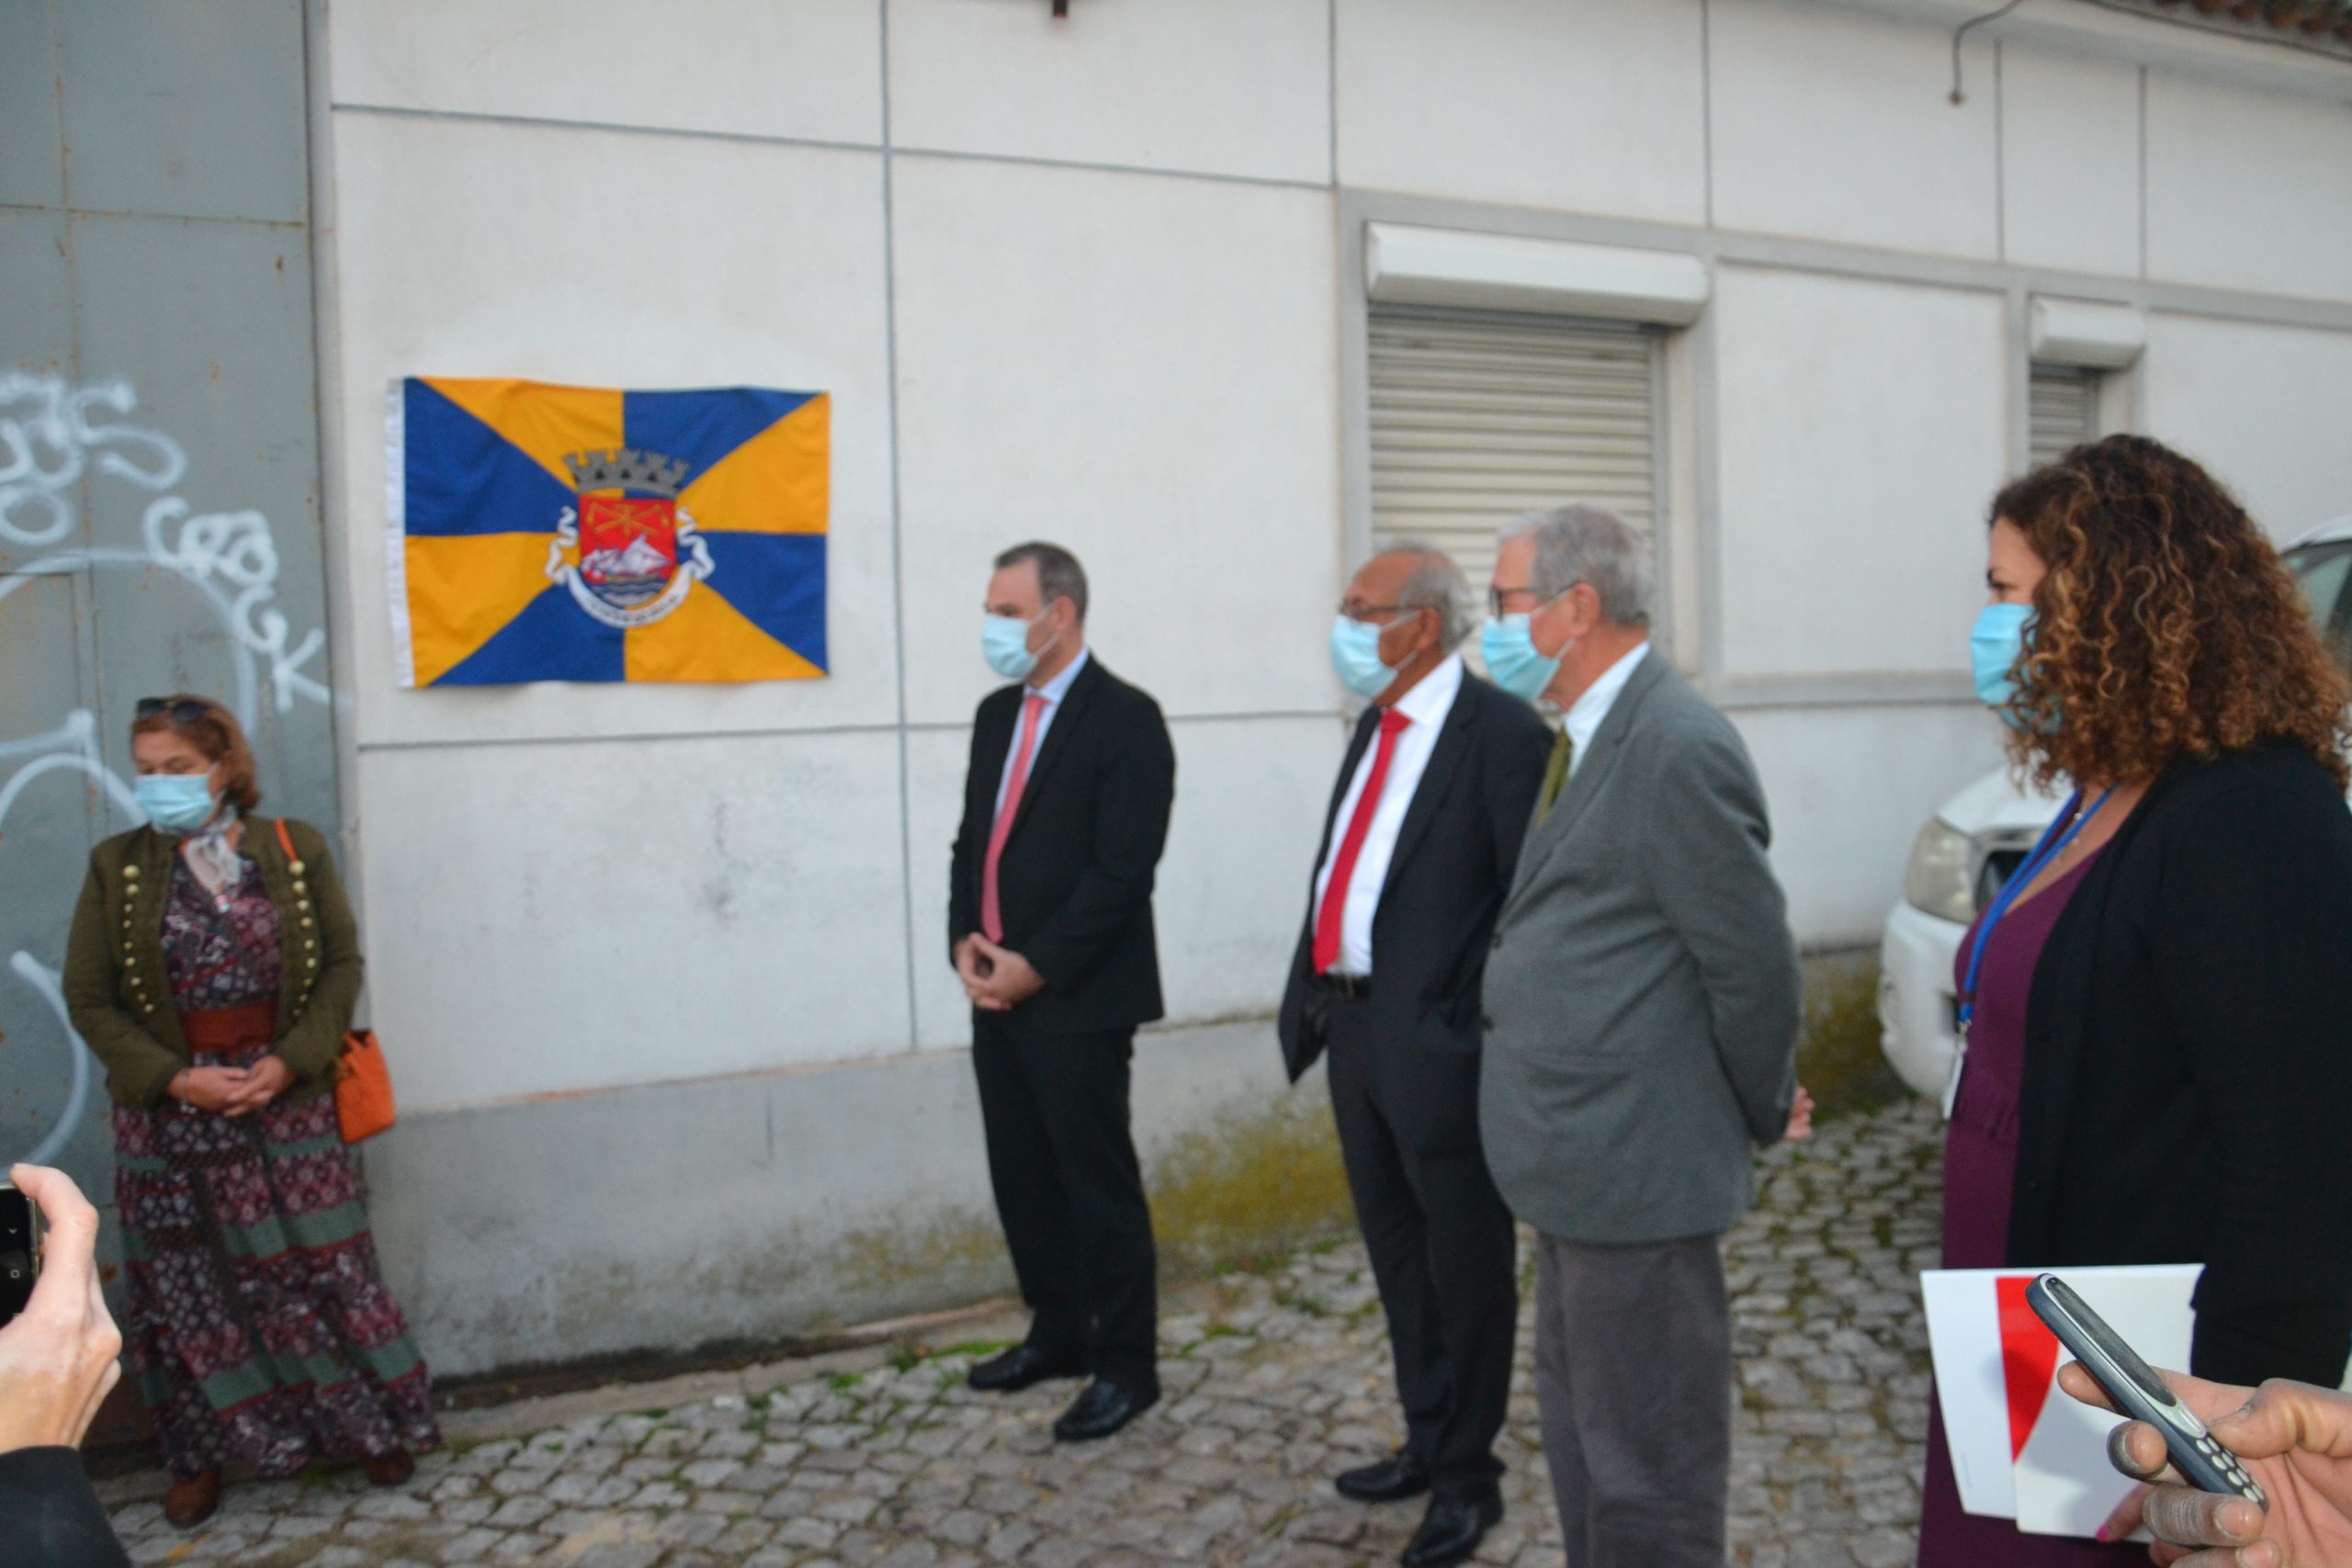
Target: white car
1980	835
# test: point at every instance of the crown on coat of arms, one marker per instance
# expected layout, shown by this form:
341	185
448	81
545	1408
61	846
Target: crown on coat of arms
626	468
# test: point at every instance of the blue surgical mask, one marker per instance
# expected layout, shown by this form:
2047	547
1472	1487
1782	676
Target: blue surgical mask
1355	657
1004	642
177	803
2002	634
1508	647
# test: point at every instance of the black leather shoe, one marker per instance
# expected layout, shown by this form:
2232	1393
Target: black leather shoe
1400	1475
1452	1529
1101	1408
1019	1366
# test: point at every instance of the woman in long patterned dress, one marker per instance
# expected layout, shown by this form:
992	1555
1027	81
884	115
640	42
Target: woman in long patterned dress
215	974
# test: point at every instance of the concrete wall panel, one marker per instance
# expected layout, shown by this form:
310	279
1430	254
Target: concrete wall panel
1146	371
1591	106
810	68
1837	126
2261	406
777	281
2070	162
1848	790
553	918
2248	190
1864	428
526	1233
1205	86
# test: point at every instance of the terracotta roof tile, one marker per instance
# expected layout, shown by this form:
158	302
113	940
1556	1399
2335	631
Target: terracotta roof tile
2322	21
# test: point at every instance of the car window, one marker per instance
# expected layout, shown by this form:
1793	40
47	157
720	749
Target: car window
2323	569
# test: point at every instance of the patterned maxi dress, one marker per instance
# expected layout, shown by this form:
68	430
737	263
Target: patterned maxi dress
255	1320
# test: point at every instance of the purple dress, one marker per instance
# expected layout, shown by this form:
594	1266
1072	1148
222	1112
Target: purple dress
1980	1167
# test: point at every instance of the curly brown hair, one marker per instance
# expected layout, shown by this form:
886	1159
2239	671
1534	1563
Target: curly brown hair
216	734
2167	627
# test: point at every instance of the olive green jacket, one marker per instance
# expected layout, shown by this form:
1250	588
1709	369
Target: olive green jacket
120	1001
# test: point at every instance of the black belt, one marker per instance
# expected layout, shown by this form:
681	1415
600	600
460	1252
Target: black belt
1356	988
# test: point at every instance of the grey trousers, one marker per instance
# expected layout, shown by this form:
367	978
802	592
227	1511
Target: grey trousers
1634	1383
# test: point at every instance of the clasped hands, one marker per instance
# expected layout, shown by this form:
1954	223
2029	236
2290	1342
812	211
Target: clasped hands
233	1091
997	978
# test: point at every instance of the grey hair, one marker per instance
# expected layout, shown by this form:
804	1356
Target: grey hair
1059	574
1591	545
1436	583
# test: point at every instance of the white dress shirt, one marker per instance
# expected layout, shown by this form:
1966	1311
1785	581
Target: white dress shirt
1584	716
1053	691
1426	706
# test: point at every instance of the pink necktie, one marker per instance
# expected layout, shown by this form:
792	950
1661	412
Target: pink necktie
992	917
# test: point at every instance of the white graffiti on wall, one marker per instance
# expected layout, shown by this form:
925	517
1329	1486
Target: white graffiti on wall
50	444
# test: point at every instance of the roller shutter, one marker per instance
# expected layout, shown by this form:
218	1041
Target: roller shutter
2061	406
1479	416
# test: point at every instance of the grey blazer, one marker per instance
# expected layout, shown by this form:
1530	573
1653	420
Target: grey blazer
1641	995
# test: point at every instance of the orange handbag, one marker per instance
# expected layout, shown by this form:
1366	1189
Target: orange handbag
363	1085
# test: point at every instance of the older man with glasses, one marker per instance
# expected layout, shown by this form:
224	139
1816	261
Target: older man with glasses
1417	845
1641	1012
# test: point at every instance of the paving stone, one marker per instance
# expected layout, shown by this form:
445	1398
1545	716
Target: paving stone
1275	1379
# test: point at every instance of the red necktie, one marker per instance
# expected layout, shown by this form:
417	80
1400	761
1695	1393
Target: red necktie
991	918
1329	918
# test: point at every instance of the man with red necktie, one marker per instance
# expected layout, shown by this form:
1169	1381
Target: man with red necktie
1049	928
1424	828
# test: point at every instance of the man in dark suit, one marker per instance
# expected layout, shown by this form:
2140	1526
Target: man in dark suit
1049	928
1418	848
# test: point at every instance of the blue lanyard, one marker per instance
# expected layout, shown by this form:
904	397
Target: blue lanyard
2054	843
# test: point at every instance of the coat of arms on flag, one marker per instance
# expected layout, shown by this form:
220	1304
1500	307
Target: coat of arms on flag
545	533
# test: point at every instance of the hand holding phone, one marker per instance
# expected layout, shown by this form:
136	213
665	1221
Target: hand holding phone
2134	1389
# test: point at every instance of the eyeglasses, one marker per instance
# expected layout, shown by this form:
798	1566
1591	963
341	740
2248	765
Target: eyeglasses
1498	597
183	710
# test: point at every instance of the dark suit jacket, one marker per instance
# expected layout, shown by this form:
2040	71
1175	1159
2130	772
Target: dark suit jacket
1451	865
49	1516
1074	886
2189	1088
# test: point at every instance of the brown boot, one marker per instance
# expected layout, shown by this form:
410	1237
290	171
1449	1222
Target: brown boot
392	1469
189	1502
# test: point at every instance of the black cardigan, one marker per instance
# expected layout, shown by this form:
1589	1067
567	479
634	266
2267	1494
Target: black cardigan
2189	1082
49	1516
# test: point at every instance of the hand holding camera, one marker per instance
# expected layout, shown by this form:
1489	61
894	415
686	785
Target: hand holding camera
59	1353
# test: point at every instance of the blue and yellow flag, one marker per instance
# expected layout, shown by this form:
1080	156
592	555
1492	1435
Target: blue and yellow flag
549	533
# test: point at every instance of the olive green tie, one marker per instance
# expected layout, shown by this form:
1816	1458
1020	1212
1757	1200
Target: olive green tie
1556	774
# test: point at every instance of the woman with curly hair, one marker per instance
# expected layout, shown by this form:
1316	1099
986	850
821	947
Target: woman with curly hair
212	967
2157	1012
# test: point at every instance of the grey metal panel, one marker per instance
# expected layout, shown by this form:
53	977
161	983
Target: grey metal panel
32	162
162	368
211	322
194	108
37	299
48	807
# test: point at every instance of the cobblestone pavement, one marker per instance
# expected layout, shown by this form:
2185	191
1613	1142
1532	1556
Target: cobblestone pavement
1275	1379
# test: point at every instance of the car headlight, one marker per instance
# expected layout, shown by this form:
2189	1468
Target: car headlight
1940	877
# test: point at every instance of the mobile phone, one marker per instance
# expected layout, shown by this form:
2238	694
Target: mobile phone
2139	1393
20	1250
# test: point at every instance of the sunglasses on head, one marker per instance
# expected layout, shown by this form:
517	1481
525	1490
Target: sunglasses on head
183	710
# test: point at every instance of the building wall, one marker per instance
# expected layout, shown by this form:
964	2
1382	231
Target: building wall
1097	280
